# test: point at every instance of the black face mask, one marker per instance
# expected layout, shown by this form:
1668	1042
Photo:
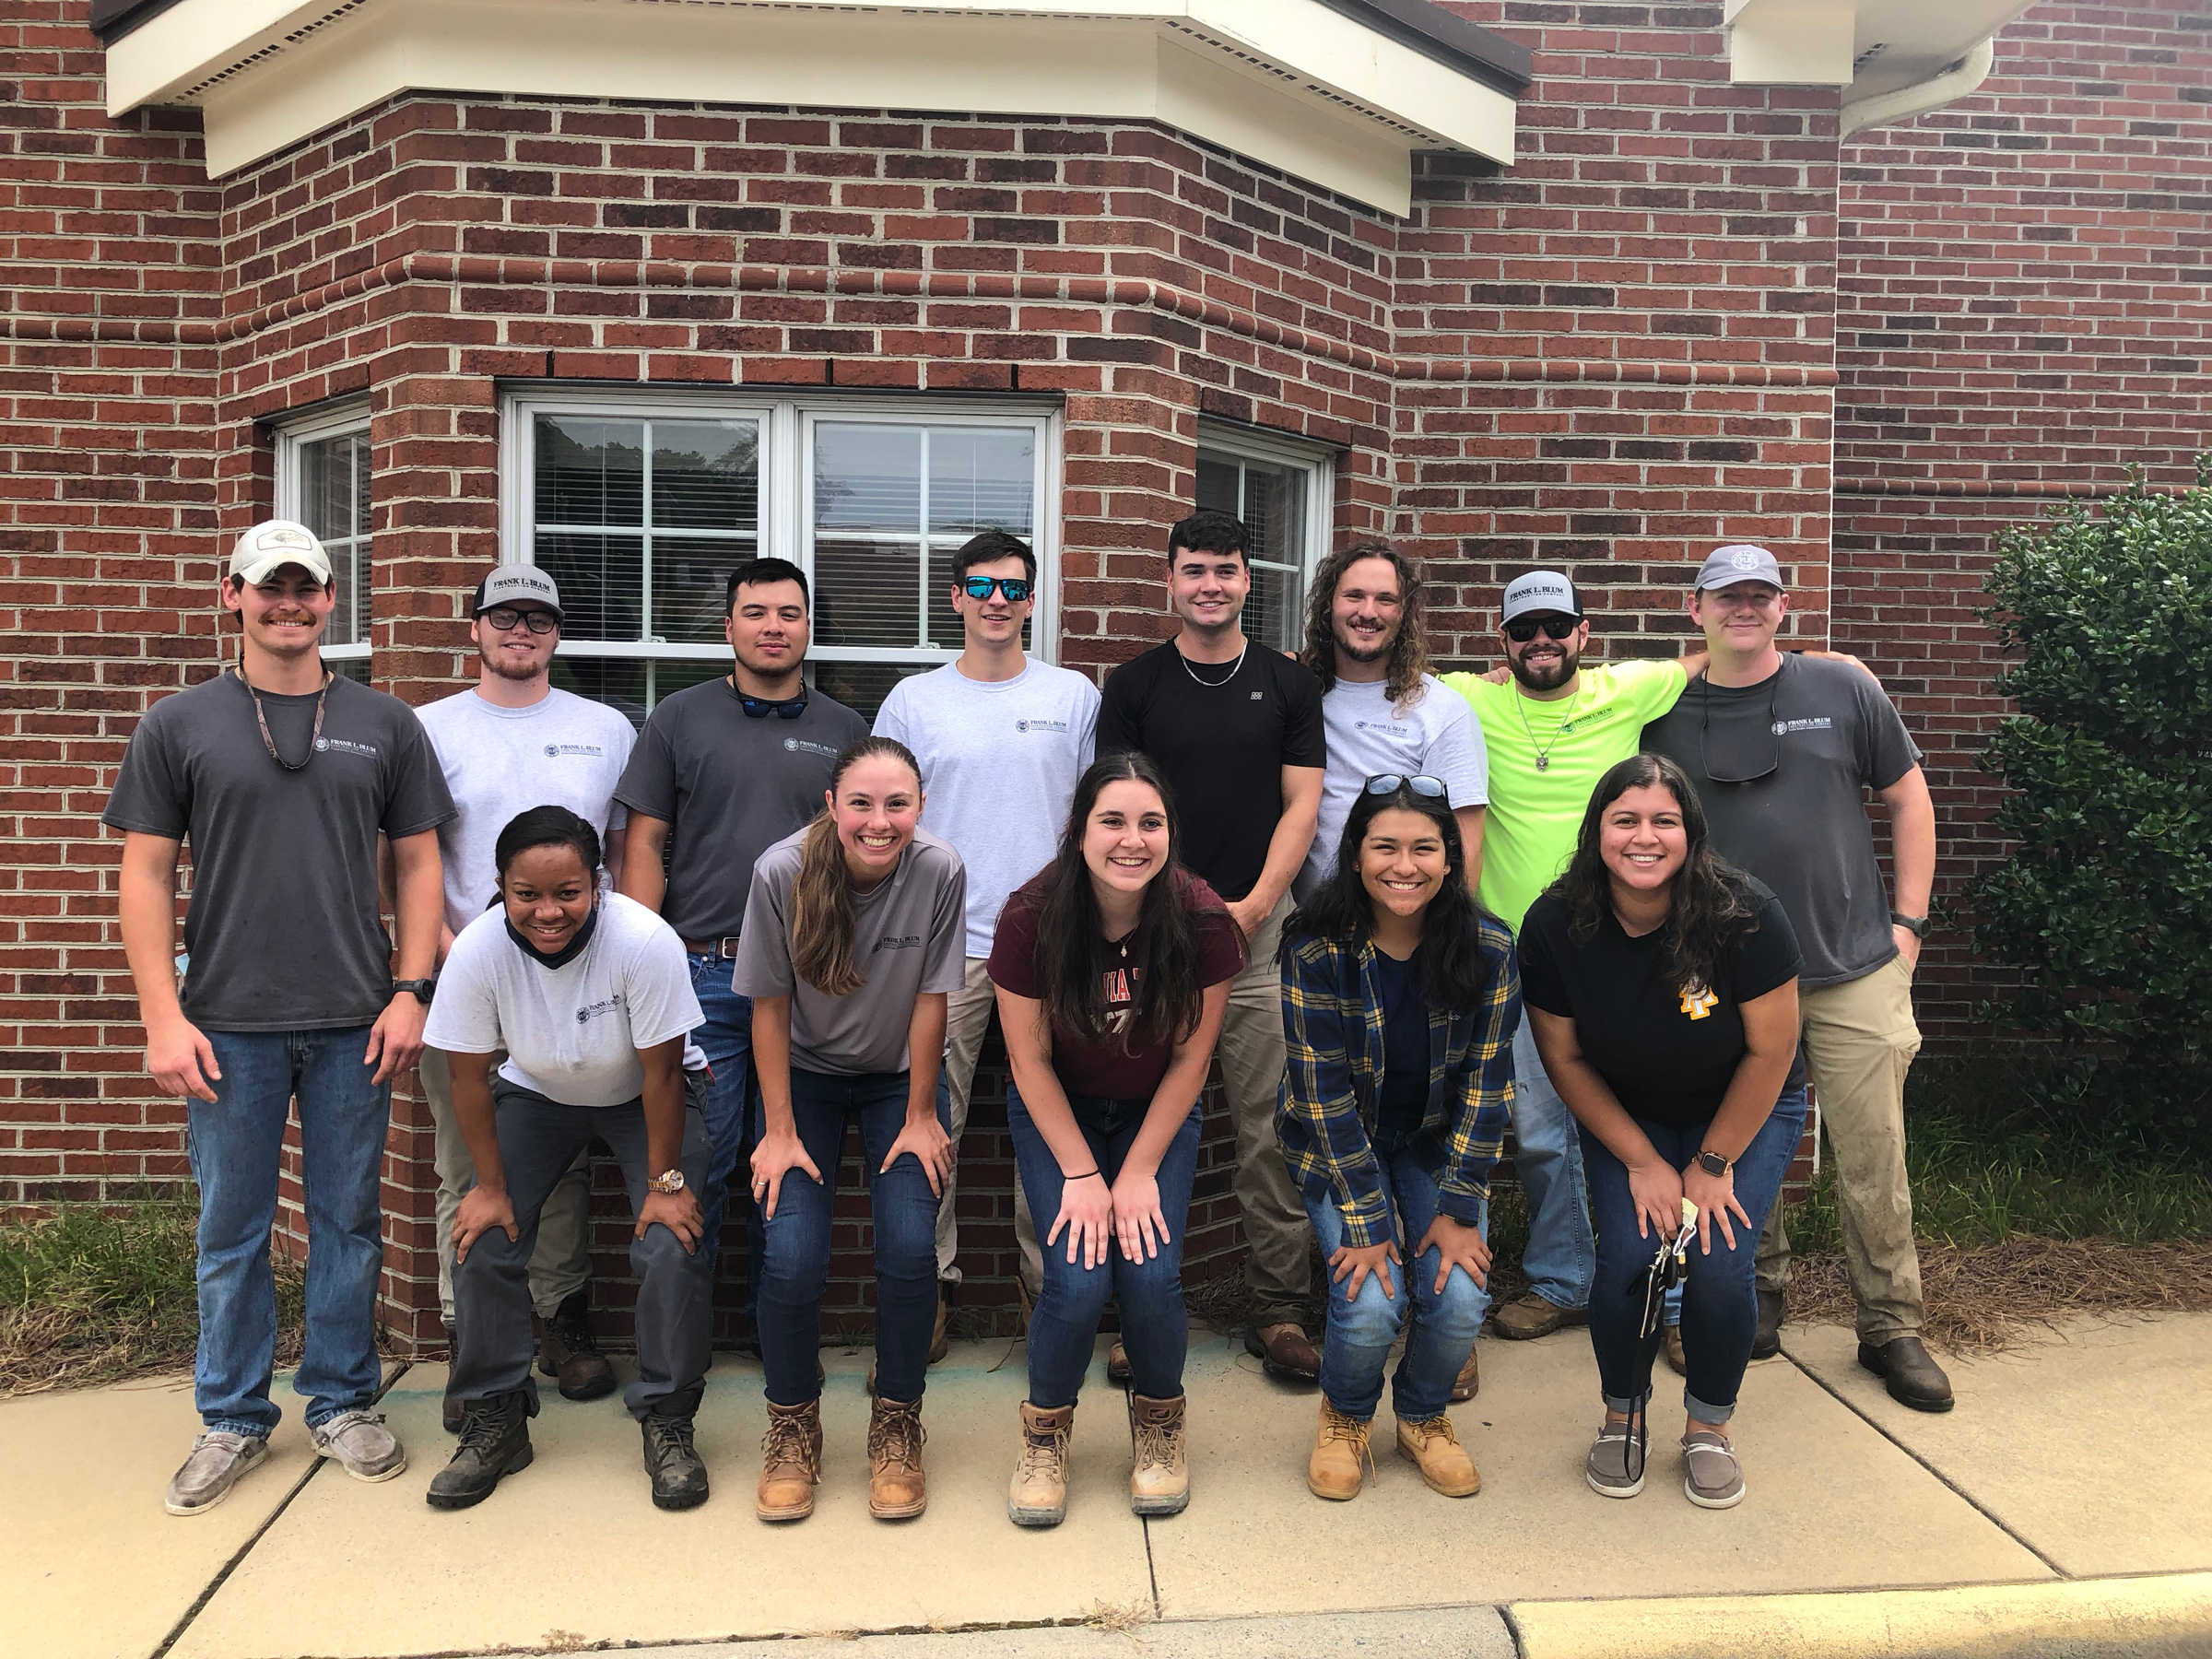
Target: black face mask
567	953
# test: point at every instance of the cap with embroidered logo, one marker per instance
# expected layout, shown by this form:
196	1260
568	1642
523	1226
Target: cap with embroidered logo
1539	591
1725	567
273	544
517	585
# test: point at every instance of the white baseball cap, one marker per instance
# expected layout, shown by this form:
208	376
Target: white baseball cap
273	544
1540	591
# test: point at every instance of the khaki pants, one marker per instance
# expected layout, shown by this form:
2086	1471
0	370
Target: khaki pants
561	1265
1859	1039
1253	1057
967	1018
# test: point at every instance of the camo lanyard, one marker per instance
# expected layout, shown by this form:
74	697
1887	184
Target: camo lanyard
262	718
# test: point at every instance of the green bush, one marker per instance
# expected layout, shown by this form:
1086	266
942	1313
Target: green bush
2105	904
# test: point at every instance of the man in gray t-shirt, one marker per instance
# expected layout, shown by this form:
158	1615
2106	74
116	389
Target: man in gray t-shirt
729	768
1782	750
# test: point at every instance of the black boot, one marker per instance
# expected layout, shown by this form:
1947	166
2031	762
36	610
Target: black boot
495	1442
568	1352
679	1478
1912	1376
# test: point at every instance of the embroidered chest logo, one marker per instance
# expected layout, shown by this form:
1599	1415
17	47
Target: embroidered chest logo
1699	1002
554	750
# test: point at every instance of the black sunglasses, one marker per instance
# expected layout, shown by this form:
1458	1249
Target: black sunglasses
1016	588
761	708
1522	629
504	618
1740	762
1429	788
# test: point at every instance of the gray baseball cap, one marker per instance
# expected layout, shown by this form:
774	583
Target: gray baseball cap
1539	591
1725	567
516	584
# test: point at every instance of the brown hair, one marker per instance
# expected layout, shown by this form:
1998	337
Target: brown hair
822	924
1408	654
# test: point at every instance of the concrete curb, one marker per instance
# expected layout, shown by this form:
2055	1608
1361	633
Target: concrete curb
2157	1618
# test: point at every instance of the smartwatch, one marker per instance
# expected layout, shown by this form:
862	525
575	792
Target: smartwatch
1916	925
1712	1163
422	988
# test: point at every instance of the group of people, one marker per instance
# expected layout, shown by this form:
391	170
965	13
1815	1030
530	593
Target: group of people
1631	910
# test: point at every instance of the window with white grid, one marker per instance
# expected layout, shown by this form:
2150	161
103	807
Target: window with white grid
322	482
1281	491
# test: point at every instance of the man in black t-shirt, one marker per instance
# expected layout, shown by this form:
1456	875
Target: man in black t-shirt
1238	731
282	775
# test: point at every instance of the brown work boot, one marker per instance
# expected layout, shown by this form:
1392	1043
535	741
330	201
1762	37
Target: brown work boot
1526	1317
1284	1352
1470	1380
1676	1358
1435	1449
939	1344
567	1351
1117	1365
1038	1494
1912	1376
791	1462
898	1489
1340	1455
1160	1483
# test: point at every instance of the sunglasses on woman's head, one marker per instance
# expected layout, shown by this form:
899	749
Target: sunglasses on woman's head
1524	628
1016	588
1384	783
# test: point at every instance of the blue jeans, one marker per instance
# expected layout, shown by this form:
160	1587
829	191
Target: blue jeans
732	1113
794	1266
1561	1257
1360	1329
1064	1322
235	1145
1720	1308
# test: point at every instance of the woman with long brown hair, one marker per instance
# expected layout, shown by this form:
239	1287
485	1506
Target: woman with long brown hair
1662	984
854	935
1112	967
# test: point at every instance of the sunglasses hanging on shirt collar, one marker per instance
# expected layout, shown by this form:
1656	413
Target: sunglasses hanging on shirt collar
761	708
1742	754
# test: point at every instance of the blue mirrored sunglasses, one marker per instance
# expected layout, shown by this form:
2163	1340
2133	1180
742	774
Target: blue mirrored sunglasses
1016	588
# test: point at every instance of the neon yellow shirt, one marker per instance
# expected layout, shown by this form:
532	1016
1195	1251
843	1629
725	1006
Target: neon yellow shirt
1534	815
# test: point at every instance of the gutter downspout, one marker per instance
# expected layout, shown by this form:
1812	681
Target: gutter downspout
1962	78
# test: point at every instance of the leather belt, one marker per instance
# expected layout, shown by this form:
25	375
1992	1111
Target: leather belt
726	947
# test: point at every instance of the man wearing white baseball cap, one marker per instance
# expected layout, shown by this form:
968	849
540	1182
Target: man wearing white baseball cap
1782	749
512	742
281	776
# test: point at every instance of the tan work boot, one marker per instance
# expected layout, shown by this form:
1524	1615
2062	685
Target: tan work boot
1160	1483
1435	1449
898	1489
791	1462
1340	1453
1038	1493
1469	1382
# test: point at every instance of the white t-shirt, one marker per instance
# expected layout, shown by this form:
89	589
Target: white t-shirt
999	764
1368	737
573	1032
564	750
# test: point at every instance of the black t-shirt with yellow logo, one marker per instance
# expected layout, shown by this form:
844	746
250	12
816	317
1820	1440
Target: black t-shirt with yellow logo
1668	1052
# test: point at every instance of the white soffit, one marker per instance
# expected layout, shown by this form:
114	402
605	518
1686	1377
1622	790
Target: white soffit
1306	85
1870	46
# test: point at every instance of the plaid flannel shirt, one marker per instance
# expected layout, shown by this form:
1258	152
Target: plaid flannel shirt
1325	1115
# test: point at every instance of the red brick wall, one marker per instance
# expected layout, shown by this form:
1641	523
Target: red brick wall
2023	315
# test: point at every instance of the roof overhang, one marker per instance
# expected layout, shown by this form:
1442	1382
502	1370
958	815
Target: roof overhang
1871	46
1339	92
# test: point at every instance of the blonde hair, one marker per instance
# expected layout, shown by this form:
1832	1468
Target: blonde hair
822	922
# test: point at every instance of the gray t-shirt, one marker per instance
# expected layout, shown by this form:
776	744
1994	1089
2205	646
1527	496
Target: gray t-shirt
1369	735
562	750
1803	828
573	1032
283	931
999	764
909	928
731	786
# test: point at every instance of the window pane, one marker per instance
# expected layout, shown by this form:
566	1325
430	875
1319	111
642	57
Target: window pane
600	577
706	475
1271	609
1217	487
590	472
862	686
349	616
331	503
689	579
982	480
867	478
866	593
1274	511
619	682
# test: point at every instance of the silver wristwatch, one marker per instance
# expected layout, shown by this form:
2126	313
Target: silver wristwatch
673	1182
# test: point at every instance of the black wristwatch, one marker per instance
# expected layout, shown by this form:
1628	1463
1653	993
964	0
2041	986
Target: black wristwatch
423	988
1916	925
1712	1163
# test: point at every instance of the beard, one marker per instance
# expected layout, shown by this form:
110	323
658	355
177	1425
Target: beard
1550	676
506	670
1360	650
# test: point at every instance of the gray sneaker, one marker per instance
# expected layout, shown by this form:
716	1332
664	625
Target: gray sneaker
1615	1466
1712	1478
216	1462
363	1447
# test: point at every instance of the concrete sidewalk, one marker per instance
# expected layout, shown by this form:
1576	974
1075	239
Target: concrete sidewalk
2064	1476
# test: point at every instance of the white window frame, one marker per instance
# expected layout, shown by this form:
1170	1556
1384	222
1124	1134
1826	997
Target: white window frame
786	529
292	438
1317	461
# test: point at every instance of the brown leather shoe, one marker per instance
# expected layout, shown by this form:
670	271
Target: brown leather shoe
1912	1376
1284	1352
1117	1365
1433	1448
1470	1380
567	1351
898	1489
1340	1456
1672	1348
791	1462
1528	1317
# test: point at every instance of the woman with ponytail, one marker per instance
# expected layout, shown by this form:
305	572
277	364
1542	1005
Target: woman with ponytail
854	932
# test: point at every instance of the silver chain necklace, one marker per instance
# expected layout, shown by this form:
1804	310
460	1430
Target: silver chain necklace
1544	754
1214	685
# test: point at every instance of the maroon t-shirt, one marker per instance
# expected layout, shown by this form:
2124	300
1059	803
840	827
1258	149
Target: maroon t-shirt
1095	1068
